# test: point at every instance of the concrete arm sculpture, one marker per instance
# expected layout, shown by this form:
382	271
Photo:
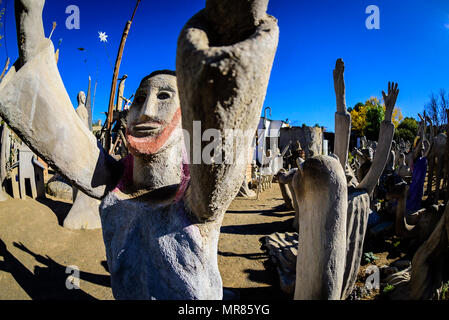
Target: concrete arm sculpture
333	213
30	29
226	92
285	179
35	104
385	138
342	116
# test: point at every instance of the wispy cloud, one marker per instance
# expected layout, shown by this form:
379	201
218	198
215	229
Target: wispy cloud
446	25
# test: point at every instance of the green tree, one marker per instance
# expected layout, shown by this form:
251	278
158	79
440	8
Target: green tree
356	107
374	117
366	118
407	130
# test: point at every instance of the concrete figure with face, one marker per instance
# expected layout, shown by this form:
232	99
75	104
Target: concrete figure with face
333	214
160	211
81	110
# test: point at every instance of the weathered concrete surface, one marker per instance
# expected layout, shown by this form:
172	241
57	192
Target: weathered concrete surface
168	249
385	139
84	214
311	138
49	124
322	194
59	188
342	116
155	217
30	29
288	192
233	85
283	251
357	221
329	270
171	260
286	195
235	27
424	279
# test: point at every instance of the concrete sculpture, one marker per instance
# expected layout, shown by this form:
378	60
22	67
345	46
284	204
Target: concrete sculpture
161	216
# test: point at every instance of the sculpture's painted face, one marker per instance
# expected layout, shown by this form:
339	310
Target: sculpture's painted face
154	114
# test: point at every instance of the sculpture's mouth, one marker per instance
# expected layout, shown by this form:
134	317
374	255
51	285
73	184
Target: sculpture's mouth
147	137
145	129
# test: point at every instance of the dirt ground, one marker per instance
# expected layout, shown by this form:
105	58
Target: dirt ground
35	250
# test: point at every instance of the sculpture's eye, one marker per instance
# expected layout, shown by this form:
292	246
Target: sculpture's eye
163	95
141	98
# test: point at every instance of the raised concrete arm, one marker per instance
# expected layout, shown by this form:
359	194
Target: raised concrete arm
342	116
35	104
30	29
431	126
422	129
233	21
286	177
223	87
385	138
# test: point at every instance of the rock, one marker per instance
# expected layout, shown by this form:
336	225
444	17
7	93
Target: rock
283	250
59	188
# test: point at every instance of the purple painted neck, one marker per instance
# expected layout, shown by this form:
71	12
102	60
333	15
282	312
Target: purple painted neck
127	177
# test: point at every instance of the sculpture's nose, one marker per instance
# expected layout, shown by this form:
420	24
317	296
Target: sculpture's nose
149	110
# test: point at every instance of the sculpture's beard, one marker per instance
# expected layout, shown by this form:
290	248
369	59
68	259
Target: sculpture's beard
148	145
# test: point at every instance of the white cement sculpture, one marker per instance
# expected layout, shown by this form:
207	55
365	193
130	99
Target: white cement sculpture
333	215
85	211
161	217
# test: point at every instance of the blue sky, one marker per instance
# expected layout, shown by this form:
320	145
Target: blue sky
410	48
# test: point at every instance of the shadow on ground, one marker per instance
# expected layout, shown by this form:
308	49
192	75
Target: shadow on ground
59	208
260	228
250	256
47	282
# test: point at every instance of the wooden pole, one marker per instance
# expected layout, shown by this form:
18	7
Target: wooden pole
114	79
4	70
93	101
89	104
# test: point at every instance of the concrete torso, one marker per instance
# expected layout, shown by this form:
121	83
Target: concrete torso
155	251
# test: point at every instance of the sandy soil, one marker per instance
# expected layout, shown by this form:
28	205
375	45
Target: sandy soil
35	250
244	266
